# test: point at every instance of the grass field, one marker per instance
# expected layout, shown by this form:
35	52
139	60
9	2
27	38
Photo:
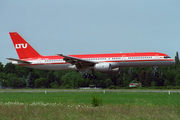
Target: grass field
78	106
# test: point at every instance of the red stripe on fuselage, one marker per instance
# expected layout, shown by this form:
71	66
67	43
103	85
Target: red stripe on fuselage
113	55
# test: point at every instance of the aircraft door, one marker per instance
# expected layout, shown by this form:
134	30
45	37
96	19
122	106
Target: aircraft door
123	58
157	57
39	61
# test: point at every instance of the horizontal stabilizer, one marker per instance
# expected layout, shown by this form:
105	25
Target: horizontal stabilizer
19	61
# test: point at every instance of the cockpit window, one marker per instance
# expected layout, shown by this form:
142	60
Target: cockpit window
167	57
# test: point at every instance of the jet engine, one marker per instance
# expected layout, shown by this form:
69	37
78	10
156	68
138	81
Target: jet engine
102	67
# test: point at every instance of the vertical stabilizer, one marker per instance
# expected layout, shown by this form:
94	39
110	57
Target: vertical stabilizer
23	49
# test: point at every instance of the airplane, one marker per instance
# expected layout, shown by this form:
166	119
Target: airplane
105	63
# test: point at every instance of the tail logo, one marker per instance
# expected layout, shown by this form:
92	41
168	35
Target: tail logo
19	46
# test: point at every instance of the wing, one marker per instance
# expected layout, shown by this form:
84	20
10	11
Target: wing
19	61
80	63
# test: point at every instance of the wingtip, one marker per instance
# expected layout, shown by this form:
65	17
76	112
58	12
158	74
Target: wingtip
9	58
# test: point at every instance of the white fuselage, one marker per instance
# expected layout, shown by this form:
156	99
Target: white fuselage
116	62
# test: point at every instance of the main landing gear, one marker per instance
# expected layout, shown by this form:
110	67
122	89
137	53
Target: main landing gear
86	75
90	77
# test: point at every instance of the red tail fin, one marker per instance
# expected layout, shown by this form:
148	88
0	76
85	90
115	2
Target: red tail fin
23	49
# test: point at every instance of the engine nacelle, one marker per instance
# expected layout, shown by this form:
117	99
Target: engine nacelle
102	67
114	71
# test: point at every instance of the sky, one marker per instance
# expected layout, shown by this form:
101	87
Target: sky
91	26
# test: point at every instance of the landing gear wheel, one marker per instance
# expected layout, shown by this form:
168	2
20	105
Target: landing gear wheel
84	76
89	76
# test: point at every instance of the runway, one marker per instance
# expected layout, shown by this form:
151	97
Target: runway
87	90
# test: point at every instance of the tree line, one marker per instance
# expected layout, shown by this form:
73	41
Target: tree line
21	77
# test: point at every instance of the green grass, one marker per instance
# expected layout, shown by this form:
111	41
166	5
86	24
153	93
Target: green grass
76	105
85	98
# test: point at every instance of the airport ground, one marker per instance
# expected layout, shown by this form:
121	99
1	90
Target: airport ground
76	104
